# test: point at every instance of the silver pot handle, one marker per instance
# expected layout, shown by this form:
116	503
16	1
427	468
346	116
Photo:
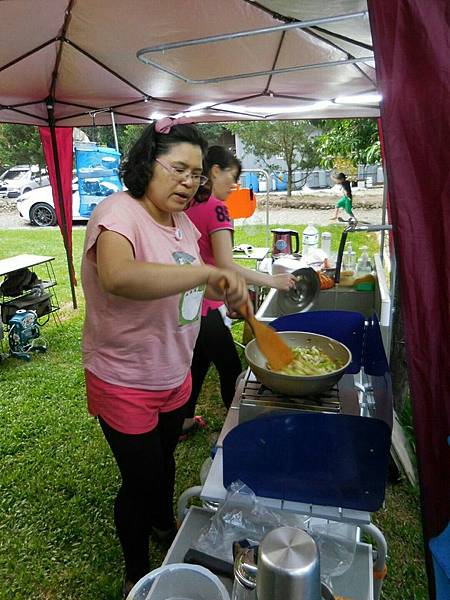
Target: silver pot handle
326	593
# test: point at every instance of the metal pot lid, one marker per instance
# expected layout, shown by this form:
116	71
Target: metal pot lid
303	296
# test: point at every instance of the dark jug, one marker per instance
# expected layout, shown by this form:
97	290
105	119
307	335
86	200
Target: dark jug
282	241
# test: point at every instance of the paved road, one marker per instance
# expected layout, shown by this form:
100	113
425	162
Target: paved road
284	216
301	216
11	220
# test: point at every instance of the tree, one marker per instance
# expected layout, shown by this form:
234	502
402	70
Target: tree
104	135
20	144
353	140
291	140
127	135
217	134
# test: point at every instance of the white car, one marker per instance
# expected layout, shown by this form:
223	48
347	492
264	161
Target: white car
38	207
21	179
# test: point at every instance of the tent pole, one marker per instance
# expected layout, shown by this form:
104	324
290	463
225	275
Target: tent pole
113	123
267	176
51	123
383	214
224	37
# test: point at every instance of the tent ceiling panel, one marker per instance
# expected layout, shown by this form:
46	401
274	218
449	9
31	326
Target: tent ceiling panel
347	47
85	82
326	82
357	29
94	47
152	23
25	25
29	79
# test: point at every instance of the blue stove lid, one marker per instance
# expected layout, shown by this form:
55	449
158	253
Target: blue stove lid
317	458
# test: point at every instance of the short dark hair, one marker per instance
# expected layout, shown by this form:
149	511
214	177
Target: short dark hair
217	155
137	169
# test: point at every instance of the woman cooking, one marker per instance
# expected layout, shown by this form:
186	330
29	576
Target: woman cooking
144	281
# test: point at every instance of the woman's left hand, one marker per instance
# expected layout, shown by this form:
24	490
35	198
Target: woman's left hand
284	281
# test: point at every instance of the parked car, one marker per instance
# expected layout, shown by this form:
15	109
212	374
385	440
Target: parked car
21	179
38	208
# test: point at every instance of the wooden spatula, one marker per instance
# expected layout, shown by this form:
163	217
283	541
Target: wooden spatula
273	347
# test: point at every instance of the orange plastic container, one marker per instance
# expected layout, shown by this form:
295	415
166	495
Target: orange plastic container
241	203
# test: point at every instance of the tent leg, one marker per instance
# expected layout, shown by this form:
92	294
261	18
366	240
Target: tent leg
51	122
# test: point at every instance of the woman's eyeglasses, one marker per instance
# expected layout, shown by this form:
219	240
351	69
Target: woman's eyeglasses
180	174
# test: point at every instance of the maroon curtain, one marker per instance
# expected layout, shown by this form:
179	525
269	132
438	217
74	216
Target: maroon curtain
412	50
61	168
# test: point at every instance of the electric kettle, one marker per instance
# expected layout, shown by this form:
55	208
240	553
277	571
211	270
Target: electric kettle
282	241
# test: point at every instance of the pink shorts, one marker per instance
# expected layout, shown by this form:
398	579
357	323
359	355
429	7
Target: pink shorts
130	410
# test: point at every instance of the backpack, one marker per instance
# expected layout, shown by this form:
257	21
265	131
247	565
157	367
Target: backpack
16	282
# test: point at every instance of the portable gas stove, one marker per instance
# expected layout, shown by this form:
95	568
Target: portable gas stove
331	449
255	399
324	457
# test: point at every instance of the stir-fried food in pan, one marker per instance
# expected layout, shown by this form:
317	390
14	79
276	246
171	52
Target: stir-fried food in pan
310	361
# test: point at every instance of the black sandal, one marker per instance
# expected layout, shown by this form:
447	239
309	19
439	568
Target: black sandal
199	423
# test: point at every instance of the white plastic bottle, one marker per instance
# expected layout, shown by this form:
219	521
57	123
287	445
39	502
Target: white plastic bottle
310	239
364	265
325	242
349	259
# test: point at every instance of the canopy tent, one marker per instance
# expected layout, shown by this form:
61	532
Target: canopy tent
82	54
75	62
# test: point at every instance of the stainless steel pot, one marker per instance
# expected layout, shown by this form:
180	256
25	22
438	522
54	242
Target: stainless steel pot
289	567
299	385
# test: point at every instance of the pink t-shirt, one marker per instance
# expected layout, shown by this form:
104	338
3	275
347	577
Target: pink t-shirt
143	344
208	217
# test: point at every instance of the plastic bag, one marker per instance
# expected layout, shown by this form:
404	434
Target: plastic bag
241	516
336	543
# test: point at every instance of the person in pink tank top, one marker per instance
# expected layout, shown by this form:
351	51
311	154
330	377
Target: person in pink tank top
144	282
215	343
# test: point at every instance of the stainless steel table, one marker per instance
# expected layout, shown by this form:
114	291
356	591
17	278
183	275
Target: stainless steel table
256	254
22	261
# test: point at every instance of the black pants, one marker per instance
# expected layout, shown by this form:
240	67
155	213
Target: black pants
145	498
214	345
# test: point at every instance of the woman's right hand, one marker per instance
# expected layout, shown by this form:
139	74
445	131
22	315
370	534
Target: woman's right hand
231	285
284	281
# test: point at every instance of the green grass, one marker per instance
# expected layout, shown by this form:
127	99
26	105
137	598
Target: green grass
255	235
58	479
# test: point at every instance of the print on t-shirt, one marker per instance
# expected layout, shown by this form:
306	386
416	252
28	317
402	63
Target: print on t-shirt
190	301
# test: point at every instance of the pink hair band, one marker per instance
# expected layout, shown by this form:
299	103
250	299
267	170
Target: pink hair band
166	124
